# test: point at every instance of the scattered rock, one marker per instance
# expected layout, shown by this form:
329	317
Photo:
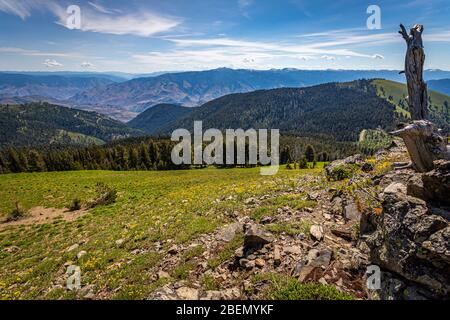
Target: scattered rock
351	212
185	293
395	188
316	232
12	249
120	242
81	254
255	238
73	247
239	252
343	233
315	261
267	220
173	250
276	255
163	275
228	232
260	263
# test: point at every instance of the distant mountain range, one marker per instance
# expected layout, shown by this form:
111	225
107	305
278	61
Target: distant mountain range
47	86
195	88
123	96
332	114
442	85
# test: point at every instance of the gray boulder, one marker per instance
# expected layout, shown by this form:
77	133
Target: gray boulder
412	242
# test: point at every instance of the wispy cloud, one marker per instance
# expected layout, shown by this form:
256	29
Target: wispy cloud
97	18
87	65
18	8
245	3
324	48
50	63
103	9
36	53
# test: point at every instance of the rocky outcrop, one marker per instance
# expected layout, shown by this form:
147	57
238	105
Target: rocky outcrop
412	243
437	182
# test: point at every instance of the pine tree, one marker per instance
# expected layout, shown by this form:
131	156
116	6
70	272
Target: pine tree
15	164
310	154
36	162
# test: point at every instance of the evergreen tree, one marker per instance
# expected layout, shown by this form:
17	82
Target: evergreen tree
310	154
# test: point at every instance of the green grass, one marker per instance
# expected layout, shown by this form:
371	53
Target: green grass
293	228
150	206
227	252
398	91
270	206
288	288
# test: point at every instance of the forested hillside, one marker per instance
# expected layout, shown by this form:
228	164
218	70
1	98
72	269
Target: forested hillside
331	111
44	125
159	116
396	93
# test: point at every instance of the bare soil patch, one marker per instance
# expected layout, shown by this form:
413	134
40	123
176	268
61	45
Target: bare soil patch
41	215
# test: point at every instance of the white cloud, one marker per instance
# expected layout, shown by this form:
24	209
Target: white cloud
97	18
50	63
378	56
36	53
102	9
18	8
245	3
329	58
86	64
273	48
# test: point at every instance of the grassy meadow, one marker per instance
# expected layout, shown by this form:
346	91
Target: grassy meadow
151	206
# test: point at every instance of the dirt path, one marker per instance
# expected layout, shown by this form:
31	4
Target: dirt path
41	215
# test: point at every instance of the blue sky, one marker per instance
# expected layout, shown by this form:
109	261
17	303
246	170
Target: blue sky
140	36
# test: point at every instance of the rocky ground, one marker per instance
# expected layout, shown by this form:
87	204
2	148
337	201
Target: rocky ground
362	213
397	220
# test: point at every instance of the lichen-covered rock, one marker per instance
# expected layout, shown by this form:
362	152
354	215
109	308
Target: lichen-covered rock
412	242
343	169
437	182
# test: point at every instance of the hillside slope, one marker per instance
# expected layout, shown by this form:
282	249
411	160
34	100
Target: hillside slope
159	116
330	111
396	93
442	85
48	86
43	124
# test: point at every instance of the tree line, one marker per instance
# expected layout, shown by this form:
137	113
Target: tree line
129	154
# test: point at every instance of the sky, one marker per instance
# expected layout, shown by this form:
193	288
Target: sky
142	36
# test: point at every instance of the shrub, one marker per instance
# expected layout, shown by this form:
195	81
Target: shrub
17	214
106	195
303	163
342	172
76	205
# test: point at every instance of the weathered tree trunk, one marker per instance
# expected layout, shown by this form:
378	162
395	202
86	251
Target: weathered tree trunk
414	61
424	144
422	139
